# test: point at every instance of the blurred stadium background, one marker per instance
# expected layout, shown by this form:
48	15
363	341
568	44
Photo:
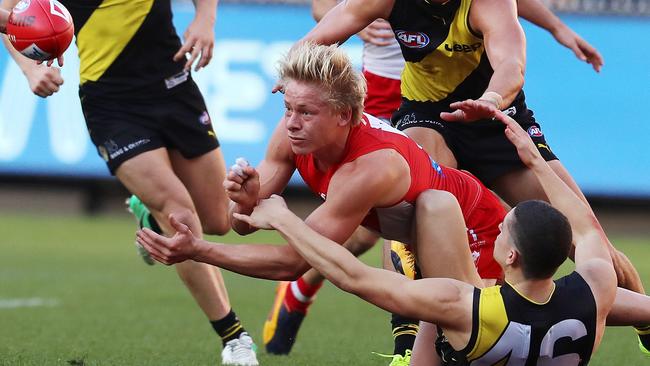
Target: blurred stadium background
73	292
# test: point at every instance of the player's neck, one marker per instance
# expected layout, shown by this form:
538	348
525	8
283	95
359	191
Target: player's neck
332	154
537	291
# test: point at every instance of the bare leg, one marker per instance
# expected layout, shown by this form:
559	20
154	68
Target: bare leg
150	177
630	308
434	144
424	348
442	250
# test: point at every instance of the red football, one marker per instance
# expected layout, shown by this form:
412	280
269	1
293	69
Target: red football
40	29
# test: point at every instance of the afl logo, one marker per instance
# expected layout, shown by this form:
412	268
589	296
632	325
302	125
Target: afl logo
21	6
412	39
535	131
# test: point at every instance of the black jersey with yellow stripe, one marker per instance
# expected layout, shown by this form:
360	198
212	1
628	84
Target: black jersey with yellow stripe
445	58
126	47
509	329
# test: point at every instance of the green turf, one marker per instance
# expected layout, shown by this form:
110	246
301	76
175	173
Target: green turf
114	310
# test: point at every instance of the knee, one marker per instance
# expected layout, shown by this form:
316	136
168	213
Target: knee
216	227
433	202
361	241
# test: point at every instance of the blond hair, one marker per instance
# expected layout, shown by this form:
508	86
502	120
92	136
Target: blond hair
329	67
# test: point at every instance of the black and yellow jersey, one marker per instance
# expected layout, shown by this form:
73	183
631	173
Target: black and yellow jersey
125	46
509	329
445	58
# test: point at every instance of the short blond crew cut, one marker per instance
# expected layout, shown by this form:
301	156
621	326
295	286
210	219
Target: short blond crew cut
330	67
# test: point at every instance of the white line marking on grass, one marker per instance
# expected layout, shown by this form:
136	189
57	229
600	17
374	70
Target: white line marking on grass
27	303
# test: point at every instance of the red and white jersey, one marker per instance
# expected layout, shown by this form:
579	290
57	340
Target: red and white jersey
385	61
395	222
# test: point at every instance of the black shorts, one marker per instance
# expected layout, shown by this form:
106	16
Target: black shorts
124	128
480	147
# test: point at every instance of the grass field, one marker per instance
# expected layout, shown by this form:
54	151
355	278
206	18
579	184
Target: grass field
102	306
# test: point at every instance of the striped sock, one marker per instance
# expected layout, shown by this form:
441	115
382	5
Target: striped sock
300	295
404	332
229	327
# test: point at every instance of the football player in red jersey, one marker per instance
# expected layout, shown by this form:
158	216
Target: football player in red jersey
367	172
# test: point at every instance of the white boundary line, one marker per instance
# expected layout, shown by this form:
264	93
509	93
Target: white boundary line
28	303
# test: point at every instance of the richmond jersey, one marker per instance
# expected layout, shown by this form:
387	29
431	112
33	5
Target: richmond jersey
509	329
445	58
126	46
395	222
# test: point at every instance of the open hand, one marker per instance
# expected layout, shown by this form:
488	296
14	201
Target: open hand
264	213
179	248
199	42
470	110
582	49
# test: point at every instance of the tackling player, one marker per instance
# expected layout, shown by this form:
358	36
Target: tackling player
462	57
531	319
382	66
367	173
148	120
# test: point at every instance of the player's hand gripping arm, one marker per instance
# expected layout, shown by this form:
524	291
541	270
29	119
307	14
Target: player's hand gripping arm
199	35
445	302
346	205
505	45
274	262
271	176
538	14
592	257
43	81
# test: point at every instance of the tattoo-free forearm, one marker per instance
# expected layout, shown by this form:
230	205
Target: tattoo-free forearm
273	262
332	260
239	226
507	80
580	216
320	7
535	12
206	9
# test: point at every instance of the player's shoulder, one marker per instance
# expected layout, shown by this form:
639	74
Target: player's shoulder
382	163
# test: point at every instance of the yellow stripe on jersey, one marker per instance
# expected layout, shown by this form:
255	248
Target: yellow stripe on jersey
493	321
440	72
100	43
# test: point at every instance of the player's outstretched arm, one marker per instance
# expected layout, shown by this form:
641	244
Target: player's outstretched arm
443	301
378	32
274	262
538	14
199	35
348	18
592	257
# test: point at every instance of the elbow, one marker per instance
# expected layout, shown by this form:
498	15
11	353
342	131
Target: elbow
519	70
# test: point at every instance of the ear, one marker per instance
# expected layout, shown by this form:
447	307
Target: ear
345	117
512	257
